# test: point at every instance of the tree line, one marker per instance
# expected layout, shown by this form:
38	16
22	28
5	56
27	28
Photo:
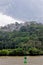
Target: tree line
29	40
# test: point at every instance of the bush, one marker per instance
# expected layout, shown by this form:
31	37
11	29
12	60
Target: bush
13	52
20	52
4	52
16	52
34	51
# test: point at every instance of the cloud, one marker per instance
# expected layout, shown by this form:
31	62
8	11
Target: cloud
22	9
4	20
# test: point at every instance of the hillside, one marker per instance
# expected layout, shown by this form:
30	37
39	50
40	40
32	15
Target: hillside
25	38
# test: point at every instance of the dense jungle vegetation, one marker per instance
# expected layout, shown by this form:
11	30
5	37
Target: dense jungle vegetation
27	41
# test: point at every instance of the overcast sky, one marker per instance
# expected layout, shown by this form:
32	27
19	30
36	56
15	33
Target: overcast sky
10	10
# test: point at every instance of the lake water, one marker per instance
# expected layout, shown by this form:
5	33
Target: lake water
31	60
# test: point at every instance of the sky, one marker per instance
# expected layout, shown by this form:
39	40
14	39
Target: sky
18	10
4	20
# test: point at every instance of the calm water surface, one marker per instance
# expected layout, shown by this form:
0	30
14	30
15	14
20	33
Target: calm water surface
35	60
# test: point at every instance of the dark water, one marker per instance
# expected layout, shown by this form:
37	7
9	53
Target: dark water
35	60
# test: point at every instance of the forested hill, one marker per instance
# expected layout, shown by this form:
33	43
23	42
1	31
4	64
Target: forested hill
28	36
16	26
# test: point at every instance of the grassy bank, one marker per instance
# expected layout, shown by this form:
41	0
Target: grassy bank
20	52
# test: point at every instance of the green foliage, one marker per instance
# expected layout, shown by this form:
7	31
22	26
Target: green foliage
16	52
34	51
30	36
4	52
